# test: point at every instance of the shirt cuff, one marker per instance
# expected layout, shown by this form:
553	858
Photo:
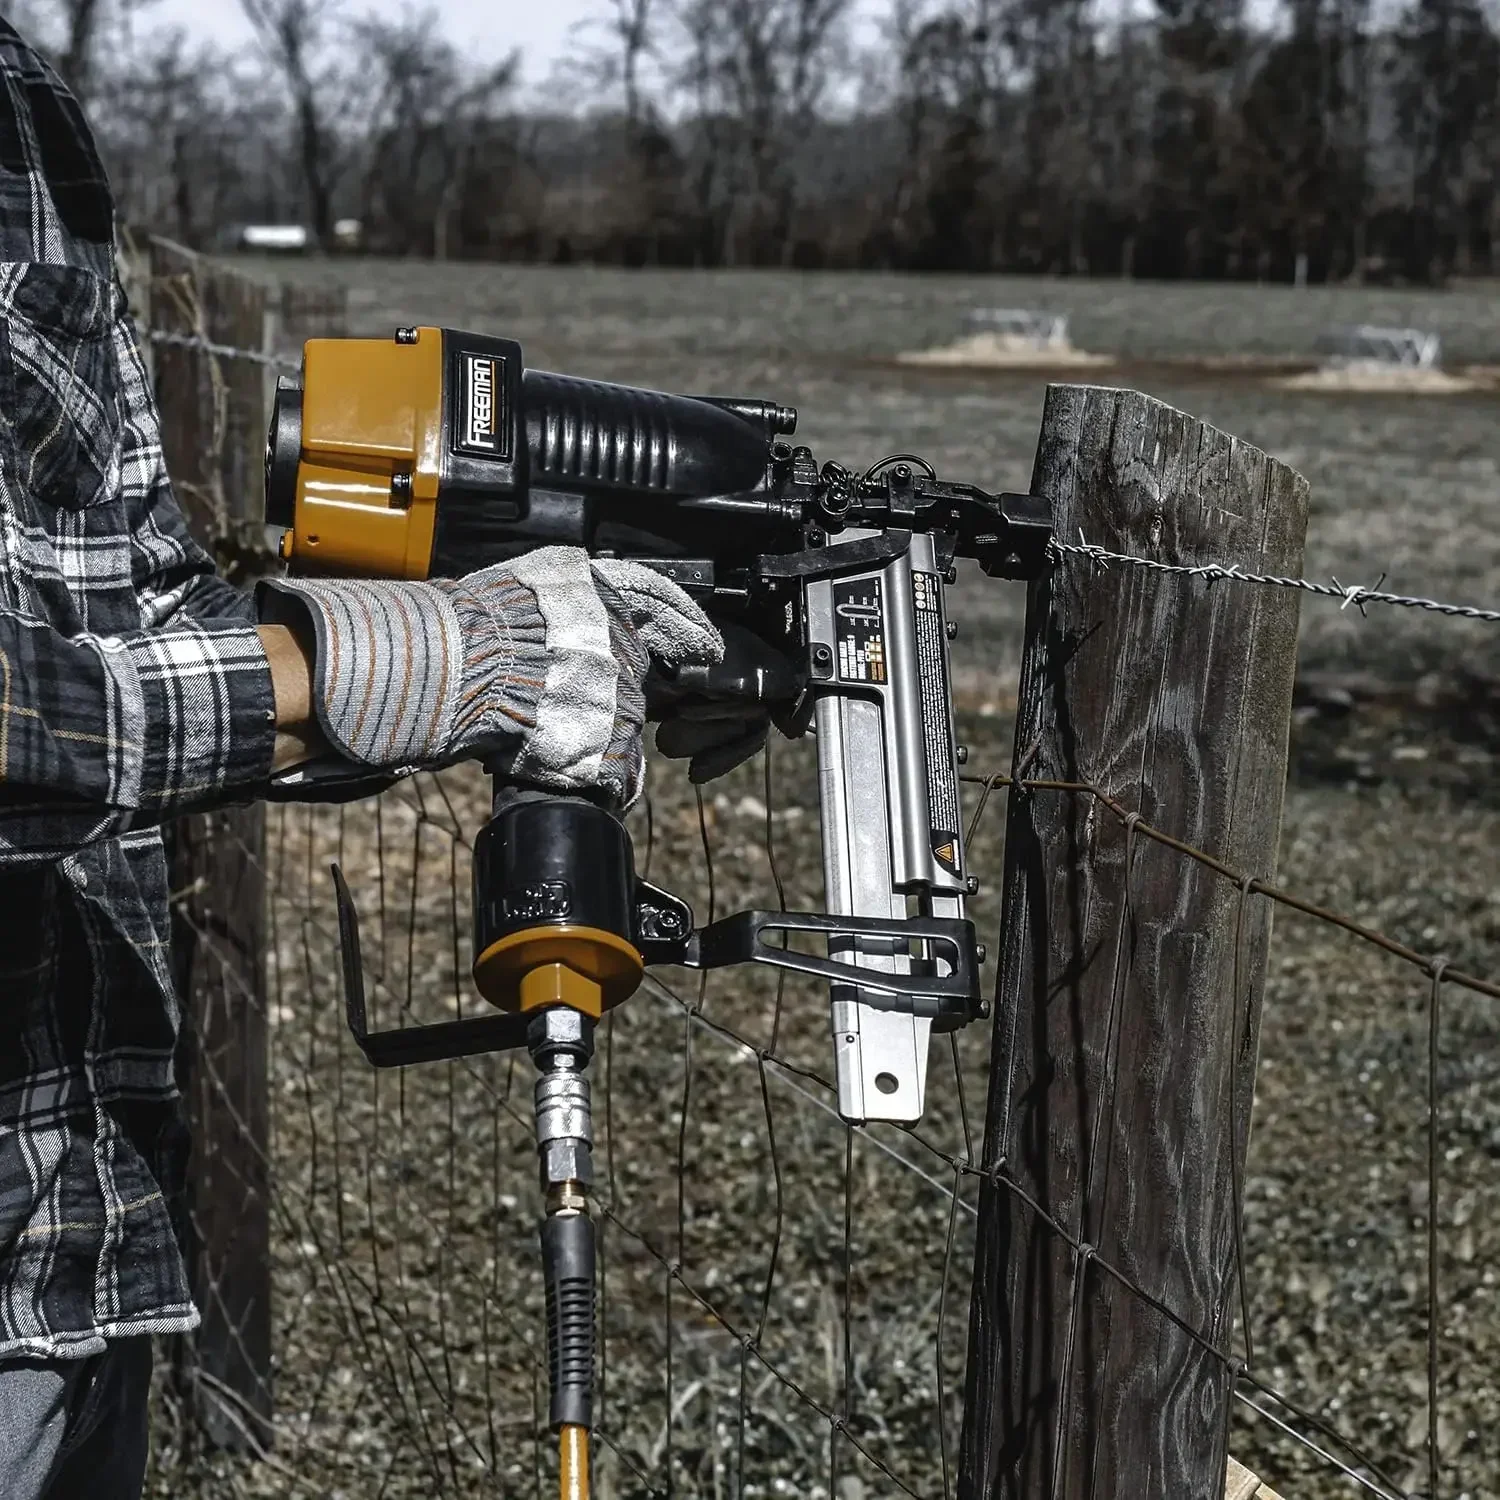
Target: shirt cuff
205	712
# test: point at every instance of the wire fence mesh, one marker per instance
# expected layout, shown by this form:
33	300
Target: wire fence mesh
784	1298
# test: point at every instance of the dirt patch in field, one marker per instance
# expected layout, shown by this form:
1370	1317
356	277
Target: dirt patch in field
1007	352
1371	377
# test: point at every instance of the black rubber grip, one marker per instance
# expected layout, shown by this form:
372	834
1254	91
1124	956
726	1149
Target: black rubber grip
568	1263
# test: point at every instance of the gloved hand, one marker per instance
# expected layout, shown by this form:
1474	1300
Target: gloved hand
716	714
535	665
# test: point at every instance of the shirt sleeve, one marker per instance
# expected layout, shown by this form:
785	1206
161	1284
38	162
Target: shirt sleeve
103	733
133	685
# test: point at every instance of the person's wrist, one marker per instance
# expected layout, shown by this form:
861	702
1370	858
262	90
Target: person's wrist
290	657
289	654
384	663
297	745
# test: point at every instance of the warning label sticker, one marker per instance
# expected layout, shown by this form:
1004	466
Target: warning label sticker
932	664
859	628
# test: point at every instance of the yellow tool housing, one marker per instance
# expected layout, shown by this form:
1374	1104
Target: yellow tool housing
371	456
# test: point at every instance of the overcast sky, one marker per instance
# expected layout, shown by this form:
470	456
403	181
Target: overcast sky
485	29
544	30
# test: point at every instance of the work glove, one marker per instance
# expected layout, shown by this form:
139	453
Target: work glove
714	715
535	666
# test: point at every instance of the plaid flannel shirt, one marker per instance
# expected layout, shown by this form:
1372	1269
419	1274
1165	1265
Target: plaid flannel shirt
132	687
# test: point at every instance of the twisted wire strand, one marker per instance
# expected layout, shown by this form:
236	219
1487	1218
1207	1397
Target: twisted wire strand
1354	593
839	482
172	340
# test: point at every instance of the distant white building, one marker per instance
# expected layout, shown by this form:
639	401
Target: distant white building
284	239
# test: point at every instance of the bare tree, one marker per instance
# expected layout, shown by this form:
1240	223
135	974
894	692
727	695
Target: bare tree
295	35
159	103
611	51
1125	119
428	118
82	18
631	25
84	24
955	128
760	69
1163	137
1448	74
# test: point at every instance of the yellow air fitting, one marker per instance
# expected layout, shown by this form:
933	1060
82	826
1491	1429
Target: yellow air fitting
585	967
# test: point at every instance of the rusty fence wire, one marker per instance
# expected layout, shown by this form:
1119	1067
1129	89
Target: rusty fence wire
783	1297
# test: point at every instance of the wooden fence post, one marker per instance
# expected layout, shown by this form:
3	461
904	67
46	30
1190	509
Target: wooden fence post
213	414
1123	1061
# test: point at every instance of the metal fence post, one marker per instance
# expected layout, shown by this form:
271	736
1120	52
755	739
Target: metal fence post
1128	999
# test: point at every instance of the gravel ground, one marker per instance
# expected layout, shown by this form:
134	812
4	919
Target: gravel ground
407	1301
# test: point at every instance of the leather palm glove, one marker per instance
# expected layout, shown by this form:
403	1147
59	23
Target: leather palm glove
715	715
535	666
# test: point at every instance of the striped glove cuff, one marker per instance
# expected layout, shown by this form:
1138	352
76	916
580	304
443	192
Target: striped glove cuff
418	673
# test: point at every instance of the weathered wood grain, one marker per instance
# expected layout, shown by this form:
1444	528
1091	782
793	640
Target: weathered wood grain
213	433
1124	1059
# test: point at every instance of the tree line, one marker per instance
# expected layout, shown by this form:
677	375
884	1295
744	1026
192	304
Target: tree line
1270	139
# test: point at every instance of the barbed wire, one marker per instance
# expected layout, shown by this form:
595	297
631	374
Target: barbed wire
203	345
411	1362
1356	594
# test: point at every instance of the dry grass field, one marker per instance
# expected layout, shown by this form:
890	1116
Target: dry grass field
785	1302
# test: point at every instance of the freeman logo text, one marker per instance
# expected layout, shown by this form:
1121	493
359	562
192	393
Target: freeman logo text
479	421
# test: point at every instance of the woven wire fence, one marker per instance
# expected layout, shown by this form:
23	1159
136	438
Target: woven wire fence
783	1298
783	1303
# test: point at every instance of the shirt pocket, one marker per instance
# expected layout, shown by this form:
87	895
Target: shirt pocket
59	384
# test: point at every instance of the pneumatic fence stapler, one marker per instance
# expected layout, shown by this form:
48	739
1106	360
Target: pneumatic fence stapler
438	452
